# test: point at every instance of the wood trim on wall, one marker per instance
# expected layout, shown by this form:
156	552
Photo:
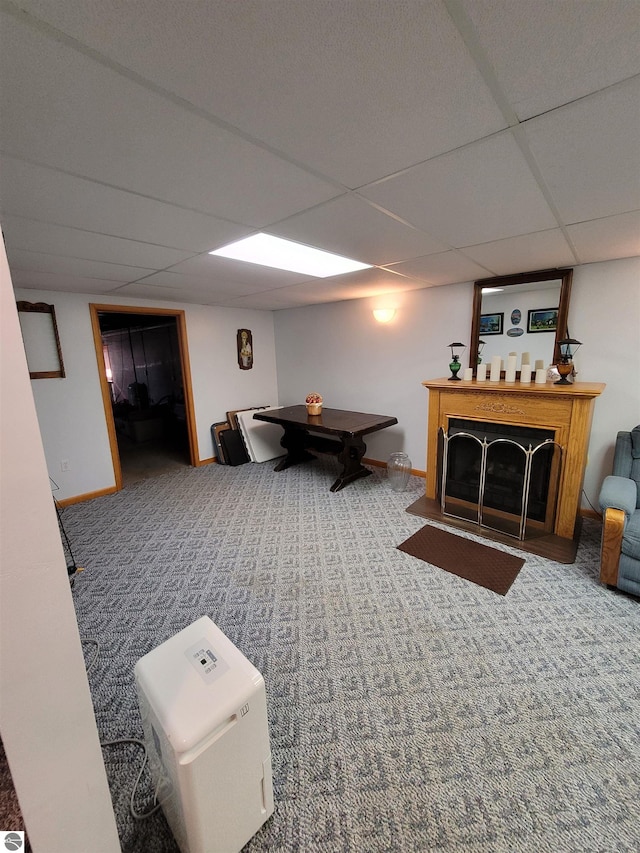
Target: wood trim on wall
89	496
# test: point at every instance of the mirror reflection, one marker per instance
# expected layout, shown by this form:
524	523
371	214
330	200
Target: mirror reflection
524	314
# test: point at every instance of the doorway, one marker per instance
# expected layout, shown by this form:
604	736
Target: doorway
146	388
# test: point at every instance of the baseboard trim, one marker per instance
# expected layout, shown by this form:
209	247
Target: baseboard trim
89	496
376	463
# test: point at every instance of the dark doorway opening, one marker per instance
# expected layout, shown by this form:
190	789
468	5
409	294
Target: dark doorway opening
144	373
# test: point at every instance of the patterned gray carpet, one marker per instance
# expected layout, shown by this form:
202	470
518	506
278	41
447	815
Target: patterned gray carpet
409	709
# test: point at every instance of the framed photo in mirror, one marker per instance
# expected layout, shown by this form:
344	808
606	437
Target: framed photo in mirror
491	324
542	320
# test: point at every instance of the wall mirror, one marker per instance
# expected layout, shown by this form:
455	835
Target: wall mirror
520	313
41	340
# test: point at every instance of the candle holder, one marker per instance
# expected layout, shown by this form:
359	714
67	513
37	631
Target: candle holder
454	364
565	365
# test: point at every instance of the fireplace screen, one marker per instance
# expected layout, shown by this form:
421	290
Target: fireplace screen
500	476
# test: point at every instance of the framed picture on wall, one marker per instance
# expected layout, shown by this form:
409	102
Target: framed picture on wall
542	320
491	324
245	349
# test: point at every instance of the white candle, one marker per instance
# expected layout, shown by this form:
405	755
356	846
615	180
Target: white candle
468	374
525	373
496	364
526	359
539	363
512	363
541	375
481	373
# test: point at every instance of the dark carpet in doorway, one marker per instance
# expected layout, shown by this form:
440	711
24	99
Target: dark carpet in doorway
481	564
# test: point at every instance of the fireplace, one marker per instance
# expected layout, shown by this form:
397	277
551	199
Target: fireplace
507	460
501	476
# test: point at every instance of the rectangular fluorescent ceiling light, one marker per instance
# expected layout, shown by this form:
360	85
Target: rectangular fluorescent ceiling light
492	289
283	254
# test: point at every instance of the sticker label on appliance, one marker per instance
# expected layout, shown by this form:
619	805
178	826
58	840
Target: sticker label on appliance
206	661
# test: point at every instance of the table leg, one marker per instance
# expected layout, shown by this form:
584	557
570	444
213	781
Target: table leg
353	449
294	441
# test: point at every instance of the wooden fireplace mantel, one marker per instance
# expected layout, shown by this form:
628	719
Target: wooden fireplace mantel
564	409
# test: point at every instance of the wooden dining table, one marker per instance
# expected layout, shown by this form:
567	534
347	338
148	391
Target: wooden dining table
335	431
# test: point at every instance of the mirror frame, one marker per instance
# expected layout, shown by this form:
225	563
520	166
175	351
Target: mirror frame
56	367
564	274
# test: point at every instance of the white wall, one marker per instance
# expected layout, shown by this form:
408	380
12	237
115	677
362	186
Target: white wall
605	315
343	353
71	412
340	351
46	715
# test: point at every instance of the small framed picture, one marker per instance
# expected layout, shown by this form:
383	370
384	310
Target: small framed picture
543	320
491	324
245	349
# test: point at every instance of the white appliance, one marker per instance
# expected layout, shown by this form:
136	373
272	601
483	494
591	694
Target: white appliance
204	714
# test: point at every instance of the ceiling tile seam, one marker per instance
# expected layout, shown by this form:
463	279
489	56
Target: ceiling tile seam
505	239
519	136
626	81
469	35
117	187
28	271
406	169
92	260
603	218
141	281
378	207
63	38
191	252
471	39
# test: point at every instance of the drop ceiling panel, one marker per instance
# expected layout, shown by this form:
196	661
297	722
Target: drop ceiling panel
607	239
272	300
47	195
203	286
589	153
351	226
298	74
352	286
33	280
255	275
445	268
547	53
78	267
543	250
479	193
58	240
169	294
91	121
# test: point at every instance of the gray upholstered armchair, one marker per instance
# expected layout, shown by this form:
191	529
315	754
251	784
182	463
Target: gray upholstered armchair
620	505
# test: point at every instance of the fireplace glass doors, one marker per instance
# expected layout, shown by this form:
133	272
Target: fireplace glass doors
499	476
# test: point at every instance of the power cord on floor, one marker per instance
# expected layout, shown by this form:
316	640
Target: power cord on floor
95	654
135	814
597	511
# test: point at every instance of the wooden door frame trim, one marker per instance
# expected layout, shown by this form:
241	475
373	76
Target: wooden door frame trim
181	326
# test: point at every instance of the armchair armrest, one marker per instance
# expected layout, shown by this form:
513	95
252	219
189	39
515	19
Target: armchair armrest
618	493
